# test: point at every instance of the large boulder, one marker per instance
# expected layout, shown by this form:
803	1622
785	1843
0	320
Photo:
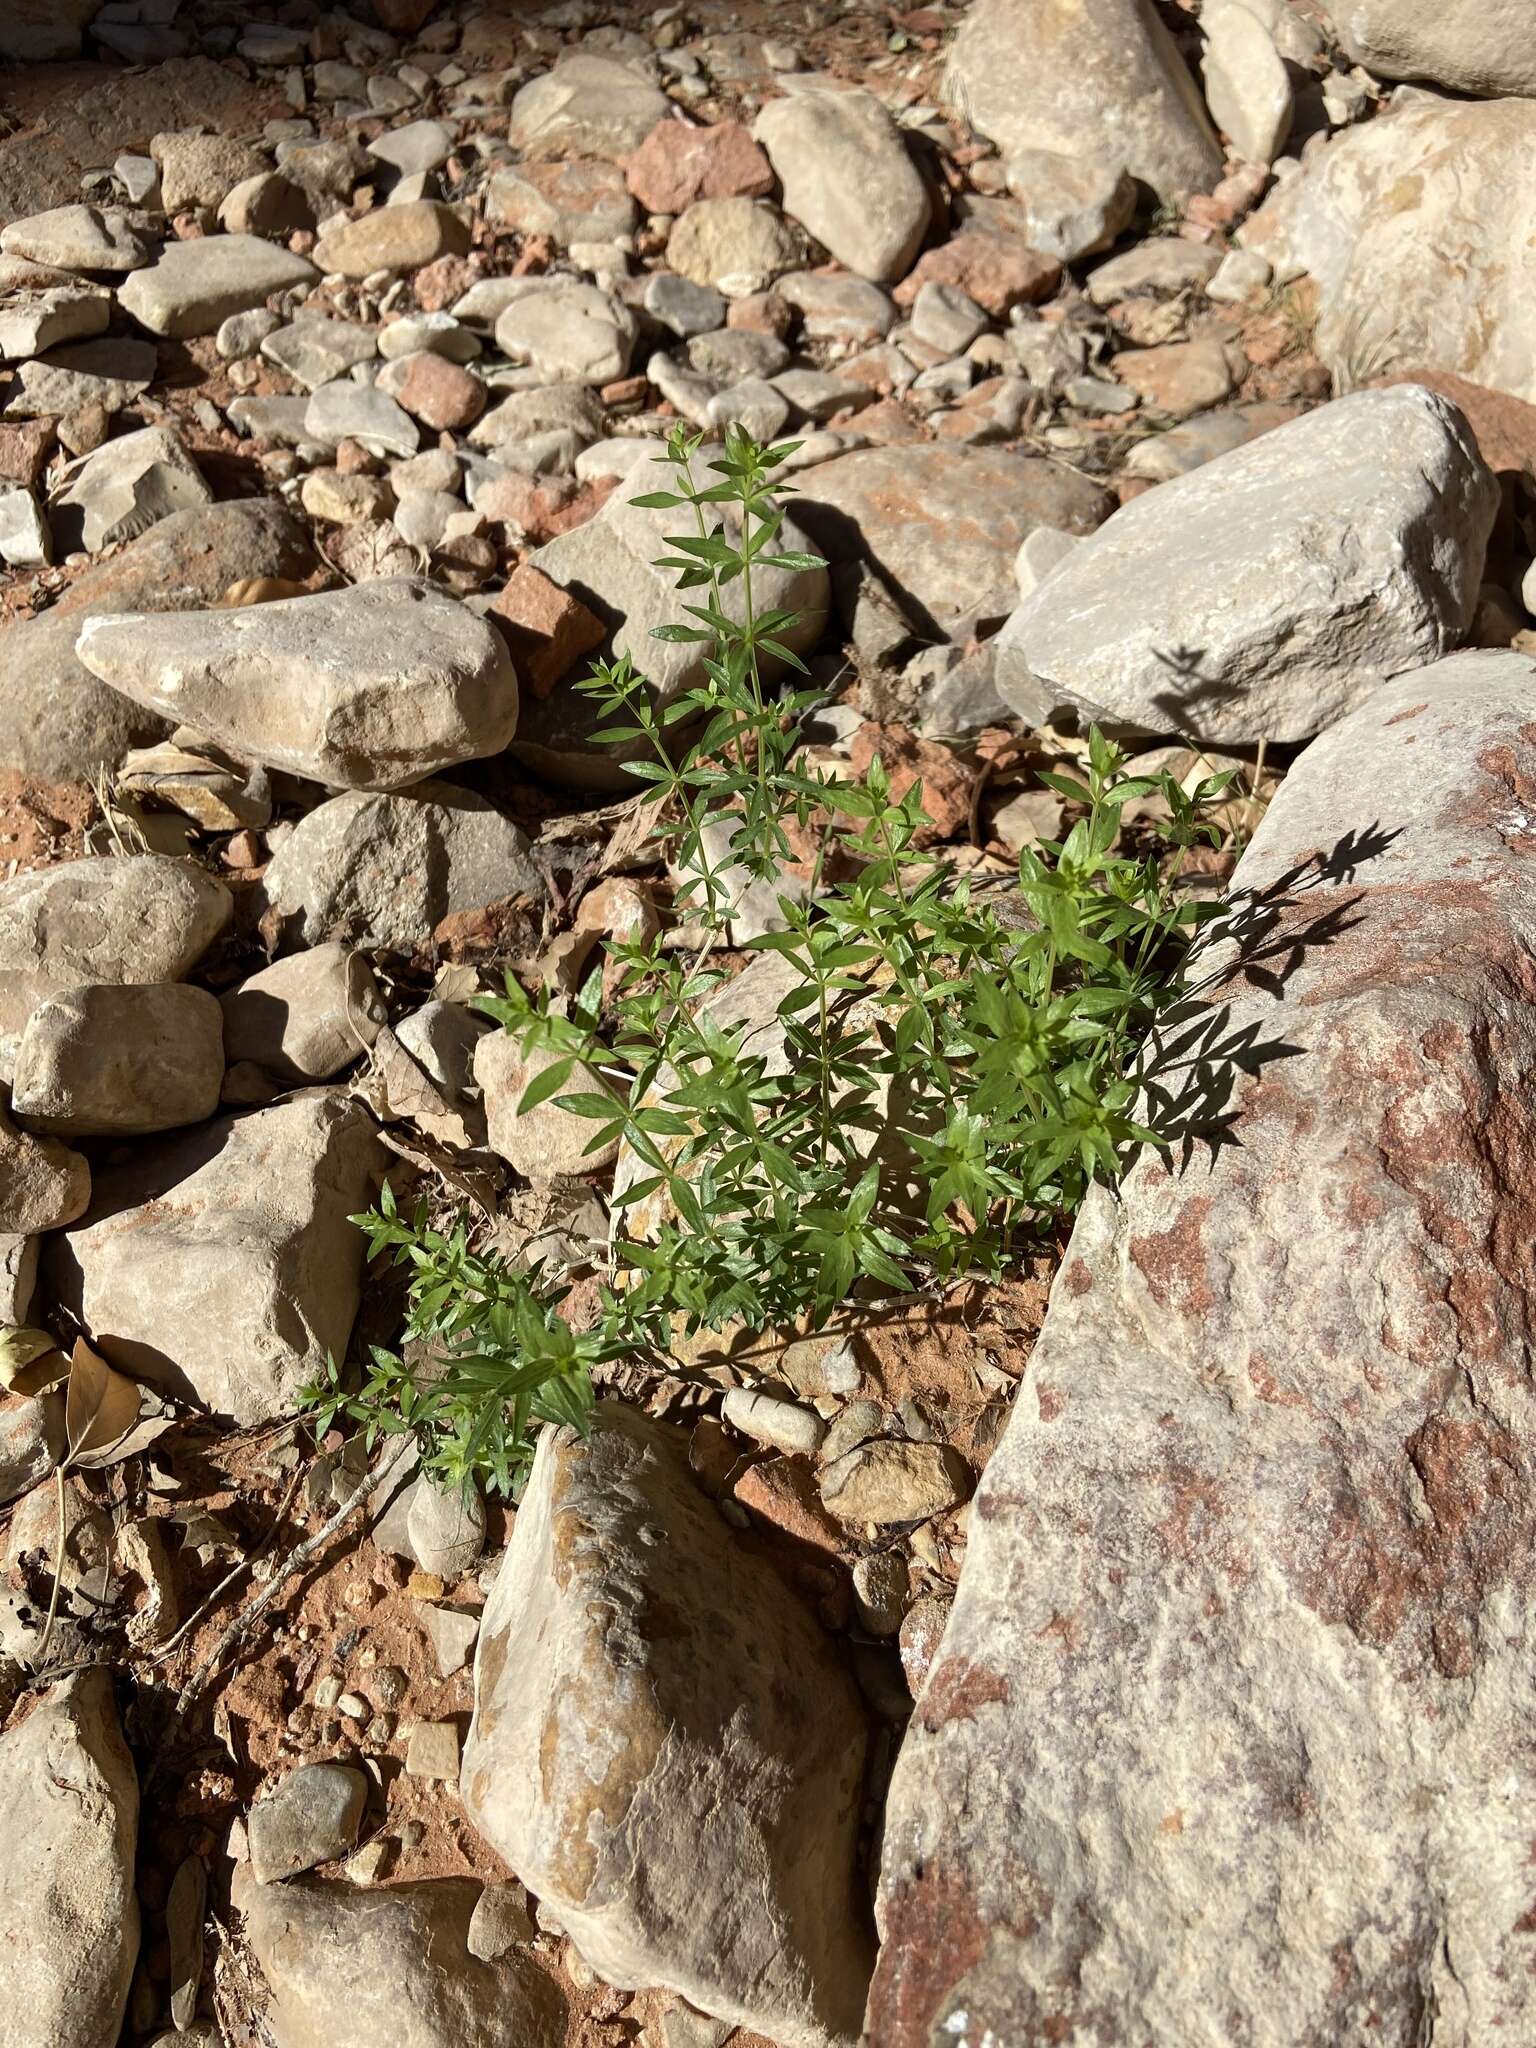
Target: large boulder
1096	78
677	1772
1229	1733
371	687
139	918
69	1917
943	525
847	178
1267	593
1416	228
350	1968
56	721
220	1264
386	869
1477	46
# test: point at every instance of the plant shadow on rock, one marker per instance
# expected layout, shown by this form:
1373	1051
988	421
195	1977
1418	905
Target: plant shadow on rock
1193	1064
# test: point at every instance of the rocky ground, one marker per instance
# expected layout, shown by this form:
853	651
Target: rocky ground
1163	366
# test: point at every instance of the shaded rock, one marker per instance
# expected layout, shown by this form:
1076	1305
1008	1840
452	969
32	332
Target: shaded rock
373	687
312	1817
18	1282
942	525
1477	46
123	487
588	105
1267	593
741	245
348	1968
847	178
130	920
393	238
192	287
1413	227
385	870
56	721
69	1919
110	374
220	1264
1156	269
1102	78
36	31
304	1018
110	1061
741	1737
43	1184
77	238
1319	1489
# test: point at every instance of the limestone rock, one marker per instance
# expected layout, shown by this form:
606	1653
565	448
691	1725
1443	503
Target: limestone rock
1072	205
942	524
139	918
1414	227
69	1918
545	1141
1269	592
121	488
56	721
77	238
385	870
1247	86
1099	78
1227	1718
741	245
197	170
219	1264
193	287
306	1017
110	1061
393	238
349	1968
1476	46
43	1185
588	105
373	687
634	1775
31	321
568	332
847	178
580	200
311	1817
37	31
110	373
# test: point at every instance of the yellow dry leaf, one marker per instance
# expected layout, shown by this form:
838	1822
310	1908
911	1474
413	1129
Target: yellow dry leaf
30	1360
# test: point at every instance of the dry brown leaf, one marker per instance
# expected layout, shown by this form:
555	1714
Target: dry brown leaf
100	1409
30	1360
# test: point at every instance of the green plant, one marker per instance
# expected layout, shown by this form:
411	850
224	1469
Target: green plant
952	1068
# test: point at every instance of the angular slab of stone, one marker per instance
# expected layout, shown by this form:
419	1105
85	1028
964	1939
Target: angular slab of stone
31	321
350	1968
1476	46
372	687
401	237
124	487
1099	78
313	351
588	105
77	238
385	870
193	287
1413	227
56	721
113	1061
311	1817
847	178
43	1184
132	919
580	200
345	411
110	373
1231	1714
69	1917
686	1734
942	525
1267	593
219	1264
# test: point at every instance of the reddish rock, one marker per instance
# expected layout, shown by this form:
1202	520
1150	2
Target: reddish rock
1229	1735
761	313
783	1492
24	450
442	395
1504	427
906	759
676	164
438	284
1183	378
547	629
998	271
402	17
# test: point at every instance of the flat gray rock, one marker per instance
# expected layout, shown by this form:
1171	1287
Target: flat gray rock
32	321
1268	592
385	870
194	286
372	687
109	373
77	238
123	487
344	411
588	105
1225	1739
942	525
219	1263
132	919
69	1917
311	1817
